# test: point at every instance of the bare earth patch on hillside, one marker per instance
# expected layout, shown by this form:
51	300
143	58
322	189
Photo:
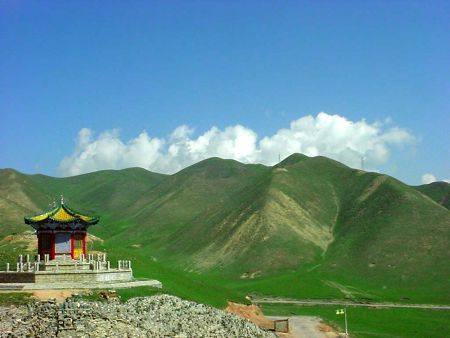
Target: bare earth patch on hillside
282	210
251	312
280	213
348	291
372	188
26	239
251	230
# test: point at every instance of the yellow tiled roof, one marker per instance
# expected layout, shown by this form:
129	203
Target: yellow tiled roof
61	214
39	217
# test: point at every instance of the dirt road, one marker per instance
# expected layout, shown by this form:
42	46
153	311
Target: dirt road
307	327
341	303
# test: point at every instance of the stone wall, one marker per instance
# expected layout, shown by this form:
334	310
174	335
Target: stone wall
81	276
17	277
90	269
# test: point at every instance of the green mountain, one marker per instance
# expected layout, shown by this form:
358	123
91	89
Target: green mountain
307	227
437	191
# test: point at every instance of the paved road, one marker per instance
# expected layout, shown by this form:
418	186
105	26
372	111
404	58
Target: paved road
341	303
305	327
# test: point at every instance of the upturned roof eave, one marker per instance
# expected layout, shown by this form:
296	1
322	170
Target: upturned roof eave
77	217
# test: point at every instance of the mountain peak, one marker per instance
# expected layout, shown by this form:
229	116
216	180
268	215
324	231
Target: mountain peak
293	159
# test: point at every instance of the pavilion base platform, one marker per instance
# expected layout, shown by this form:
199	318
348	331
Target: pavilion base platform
90	272
71	286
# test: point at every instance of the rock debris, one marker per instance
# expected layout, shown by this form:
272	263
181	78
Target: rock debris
156	316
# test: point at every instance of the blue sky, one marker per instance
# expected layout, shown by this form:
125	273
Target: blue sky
90	85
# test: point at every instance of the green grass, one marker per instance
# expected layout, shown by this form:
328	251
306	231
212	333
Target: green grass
203	288
375	323
298	285
15	298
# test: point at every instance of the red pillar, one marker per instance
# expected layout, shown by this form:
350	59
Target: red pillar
53	237
72	245
39	245
84	244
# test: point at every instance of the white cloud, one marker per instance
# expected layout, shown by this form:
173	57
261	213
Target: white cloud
430	178
109	152
336	137
333	136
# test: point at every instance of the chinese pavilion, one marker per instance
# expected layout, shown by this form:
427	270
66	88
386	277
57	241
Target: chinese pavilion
61	231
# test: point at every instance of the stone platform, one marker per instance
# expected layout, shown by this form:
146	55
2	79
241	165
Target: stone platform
62	286
66	273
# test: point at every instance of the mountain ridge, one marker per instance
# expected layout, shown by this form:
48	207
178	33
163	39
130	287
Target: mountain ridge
232	219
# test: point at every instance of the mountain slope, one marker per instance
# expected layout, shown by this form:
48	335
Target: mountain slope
225	218
392	235
107	193
19	196
437	191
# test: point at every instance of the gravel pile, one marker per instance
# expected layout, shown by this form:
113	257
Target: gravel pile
157	316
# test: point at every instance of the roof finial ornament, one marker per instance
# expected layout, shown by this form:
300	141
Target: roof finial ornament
62	199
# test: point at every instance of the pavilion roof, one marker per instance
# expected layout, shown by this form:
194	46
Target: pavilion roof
61	214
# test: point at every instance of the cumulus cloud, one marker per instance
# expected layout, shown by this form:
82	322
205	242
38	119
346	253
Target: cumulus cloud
430	178
333	136
109	152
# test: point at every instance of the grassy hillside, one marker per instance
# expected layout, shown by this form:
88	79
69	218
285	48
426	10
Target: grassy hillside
107	193
437	191
307	227
19	196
